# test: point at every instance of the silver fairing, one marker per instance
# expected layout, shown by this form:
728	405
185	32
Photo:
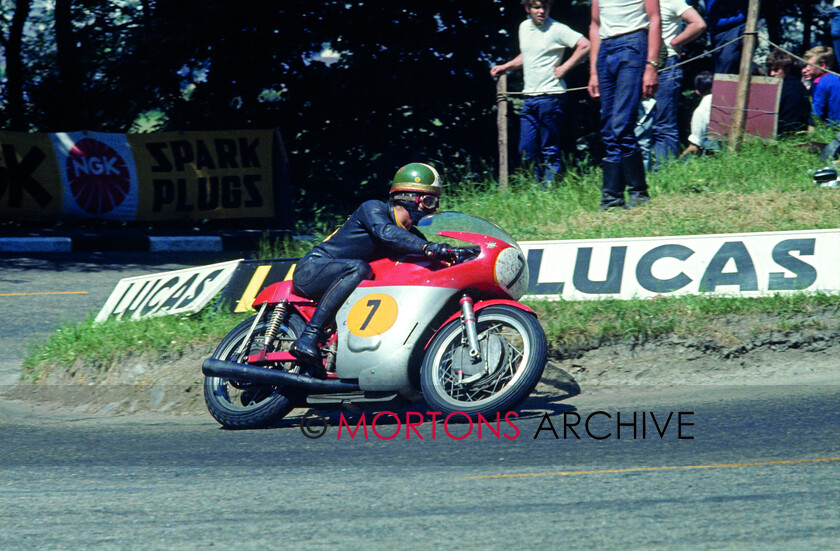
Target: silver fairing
378	327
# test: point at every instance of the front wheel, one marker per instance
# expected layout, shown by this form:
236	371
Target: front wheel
240	404
513	355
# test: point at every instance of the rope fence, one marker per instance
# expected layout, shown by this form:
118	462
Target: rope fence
504	96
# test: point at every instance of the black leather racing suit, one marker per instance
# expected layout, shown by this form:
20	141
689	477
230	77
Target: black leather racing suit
336	266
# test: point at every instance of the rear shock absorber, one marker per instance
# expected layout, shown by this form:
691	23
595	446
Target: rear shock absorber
468	322
277	317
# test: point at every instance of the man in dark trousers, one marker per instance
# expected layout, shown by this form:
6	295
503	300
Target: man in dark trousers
625	38
727	20
543	43
334	268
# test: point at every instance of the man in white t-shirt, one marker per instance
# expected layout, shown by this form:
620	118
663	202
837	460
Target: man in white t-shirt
626	37
665	132
542	43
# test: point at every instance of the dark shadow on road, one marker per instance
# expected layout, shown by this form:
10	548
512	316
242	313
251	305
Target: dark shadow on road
110	261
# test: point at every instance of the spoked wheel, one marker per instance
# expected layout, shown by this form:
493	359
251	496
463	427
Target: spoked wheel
240	404
513	356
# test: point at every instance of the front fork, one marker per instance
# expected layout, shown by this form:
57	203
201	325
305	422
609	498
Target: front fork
469	327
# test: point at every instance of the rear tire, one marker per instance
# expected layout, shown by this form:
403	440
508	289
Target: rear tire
514	352
241	405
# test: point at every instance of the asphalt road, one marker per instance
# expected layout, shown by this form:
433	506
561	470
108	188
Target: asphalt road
39	293
749	467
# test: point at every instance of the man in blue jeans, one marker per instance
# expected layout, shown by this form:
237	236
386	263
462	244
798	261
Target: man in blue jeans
626	37
542	43
665	133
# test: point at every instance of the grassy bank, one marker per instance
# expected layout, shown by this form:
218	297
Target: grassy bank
765	187
88	350
91	349
584	324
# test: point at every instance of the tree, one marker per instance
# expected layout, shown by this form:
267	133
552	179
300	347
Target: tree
406	81
14	67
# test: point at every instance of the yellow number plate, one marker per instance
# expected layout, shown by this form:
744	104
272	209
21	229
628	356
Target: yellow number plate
372	315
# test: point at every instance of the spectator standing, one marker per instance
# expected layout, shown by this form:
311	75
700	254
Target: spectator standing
825	86
835	26
699	141
626	38
727	21
542	44
665	132
794	107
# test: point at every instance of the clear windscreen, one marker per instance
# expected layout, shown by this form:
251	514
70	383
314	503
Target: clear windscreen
456	221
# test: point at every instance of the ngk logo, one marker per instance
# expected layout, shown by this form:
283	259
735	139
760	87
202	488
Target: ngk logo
98	177
96	166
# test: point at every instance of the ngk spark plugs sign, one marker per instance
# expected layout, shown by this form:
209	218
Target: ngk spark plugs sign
30	186
751	264
148	177
97	173
188	175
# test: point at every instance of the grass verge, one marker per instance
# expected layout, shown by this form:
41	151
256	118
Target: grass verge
586	324
767	186
88	350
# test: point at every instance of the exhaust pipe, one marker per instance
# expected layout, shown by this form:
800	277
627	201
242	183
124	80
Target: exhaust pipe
254	374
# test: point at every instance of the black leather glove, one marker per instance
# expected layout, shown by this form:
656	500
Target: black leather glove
438	251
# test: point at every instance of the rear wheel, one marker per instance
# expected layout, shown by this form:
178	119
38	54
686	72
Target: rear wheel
513	356
243	405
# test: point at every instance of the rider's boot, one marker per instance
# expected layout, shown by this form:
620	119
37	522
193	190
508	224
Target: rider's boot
305	348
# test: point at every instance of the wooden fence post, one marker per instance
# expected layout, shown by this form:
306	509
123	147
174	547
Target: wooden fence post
502	127
739	115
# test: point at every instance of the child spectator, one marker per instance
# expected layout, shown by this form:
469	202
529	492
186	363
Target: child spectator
825	86
698	141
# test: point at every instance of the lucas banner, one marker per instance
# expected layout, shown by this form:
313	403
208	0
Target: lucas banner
167	293
145	177
744	265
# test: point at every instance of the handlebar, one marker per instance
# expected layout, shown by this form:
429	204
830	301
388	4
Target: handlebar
462	254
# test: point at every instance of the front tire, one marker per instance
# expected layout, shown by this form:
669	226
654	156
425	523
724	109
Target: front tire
242	405
513	356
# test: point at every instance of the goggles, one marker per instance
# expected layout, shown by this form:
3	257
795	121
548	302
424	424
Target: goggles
429	202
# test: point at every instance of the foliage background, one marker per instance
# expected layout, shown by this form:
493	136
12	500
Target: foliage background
356	88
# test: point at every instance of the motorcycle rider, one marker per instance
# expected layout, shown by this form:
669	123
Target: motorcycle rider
336	266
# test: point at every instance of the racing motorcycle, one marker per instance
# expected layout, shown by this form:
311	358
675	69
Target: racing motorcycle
449	332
